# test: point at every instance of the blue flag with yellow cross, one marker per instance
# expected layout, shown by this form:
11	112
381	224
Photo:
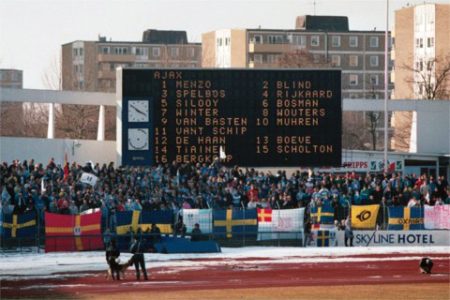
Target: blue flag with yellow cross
19	225
235	223
323	214
406	218
130	221
323	238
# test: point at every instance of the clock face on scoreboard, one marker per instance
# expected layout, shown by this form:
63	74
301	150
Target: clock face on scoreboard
255	118
138	139
138	111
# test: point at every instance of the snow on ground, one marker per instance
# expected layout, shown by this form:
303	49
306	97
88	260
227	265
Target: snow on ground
48	265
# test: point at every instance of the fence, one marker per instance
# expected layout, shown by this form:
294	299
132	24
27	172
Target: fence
227	237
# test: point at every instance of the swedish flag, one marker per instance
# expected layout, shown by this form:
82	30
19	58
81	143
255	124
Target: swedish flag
323	238
23	225
323	214
127	221
235	221
406	218
162	218
130	221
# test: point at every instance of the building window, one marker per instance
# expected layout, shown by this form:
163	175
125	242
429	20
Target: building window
336	41
156	51
353	60
258	58
374	42
219	42
191	52
299	40
275	39
336	60
272	58
353	79
120	50
374	61
227	41
105	50
430	42
315	41
430	65
258	39
174	52
374	79
140	51
353	41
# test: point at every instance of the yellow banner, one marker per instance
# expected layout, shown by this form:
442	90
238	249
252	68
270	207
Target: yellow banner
364	216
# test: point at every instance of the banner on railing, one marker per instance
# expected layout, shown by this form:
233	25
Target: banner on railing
280	224
405	218
203	217
364	216
72	232
235	221
19	225
322	216
367	238
437	217
131	221
322	238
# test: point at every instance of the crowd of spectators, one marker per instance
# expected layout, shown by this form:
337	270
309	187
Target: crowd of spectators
57	188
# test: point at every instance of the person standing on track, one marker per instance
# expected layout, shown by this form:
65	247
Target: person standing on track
138	258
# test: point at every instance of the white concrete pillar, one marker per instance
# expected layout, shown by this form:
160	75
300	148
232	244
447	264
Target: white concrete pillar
51	121
413	136
101	124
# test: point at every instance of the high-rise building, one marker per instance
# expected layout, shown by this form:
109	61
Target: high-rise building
11	114
421	53
11	78
317	41
91	65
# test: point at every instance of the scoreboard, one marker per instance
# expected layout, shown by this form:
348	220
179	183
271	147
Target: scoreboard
245	117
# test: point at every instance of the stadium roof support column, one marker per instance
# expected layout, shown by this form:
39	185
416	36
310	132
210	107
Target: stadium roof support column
51	121
101	124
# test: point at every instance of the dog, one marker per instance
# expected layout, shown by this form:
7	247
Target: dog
115	267
425	266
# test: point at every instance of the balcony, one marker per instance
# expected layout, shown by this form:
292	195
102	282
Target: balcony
272	48
258	65
115	58
106	74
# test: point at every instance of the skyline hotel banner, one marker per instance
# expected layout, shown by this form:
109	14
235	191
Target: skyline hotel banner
280	224
244	117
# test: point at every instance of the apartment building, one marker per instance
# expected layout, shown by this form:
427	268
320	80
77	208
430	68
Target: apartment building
11	114
421	52
317	41
91	65
11	78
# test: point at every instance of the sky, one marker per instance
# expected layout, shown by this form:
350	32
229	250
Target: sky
32	31
32	265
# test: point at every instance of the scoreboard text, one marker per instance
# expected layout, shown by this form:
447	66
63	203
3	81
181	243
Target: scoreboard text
245	117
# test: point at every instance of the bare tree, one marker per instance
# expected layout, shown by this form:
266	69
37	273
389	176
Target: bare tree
432	77
303	59
52	77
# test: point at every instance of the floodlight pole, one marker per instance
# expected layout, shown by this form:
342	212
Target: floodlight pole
386	82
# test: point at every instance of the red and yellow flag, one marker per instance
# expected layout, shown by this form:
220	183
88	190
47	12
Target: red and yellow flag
73	232
264	215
